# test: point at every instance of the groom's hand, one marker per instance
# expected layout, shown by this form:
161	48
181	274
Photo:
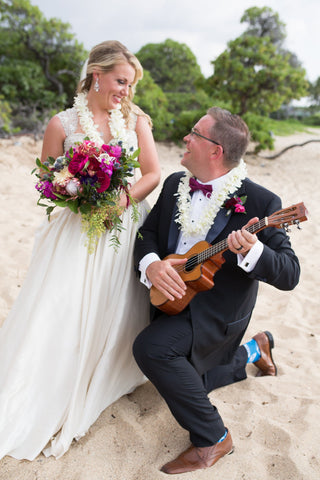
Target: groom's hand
164	277
241	241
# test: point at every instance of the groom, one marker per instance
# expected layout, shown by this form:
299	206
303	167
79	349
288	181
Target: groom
188	354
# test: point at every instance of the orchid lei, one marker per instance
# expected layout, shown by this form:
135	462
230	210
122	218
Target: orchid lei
116	123
233	181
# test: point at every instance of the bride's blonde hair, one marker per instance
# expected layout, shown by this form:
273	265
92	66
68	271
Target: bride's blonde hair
105	56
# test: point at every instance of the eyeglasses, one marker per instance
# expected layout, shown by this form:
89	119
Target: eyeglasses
194	132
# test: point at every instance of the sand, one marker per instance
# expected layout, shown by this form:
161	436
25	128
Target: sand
274	421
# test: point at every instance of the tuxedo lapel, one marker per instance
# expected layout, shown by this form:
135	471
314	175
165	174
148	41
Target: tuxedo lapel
173	232
220	222
170	206
222	219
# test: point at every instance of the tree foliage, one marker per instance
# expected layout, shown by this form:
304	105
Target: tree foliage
153	101
40	63
174	69
314	90
40	59
256	74
5	111
254	77
314	106
264	22
172	66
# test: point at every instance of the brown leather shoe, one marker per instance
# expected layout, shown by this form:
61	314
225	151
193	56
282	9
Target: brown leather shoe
195	458
265	364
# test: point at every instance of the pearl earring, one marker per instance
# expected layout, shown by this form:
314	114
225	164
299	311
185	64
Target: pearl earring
96	85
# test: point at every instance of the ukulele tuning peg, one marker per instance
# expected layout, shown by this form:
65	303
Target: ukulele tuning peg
297	224
286	227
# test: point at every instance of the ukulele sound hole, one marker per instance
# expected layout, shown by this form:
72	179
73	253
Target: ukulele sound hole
191	263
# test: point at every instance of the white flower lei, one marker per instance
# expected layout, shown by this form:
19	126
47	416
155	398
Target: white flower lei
117	123
233	181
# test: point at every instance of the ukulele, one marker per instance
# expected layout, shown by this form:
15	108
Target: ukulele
204	259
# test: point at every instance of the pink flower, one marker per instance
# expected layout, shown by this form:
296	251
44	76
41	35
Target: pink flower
113	150
93	167
77	163
239	208
107	163
104	181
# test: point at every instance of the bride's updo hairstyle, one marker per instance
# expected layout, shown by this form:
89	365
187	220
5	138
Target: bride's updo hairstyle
104	57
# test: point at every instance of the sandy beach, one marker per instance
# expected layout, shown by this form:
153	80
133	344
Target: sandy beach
274	421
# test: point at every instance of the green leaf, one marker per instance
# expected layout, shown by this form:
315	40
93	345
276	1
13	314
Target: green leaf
42	204
50	210
61	203
85	208
62	197
73	205
135	154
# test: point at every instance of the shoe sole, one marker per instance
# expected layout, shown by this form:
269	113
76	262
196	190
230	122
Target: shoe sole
271	345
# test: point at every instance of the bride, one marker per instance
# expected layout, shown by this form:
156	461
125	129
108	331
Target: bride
65	348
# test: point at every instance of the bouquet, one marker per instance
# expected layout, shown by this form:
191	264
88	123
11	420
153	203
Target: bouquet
89	180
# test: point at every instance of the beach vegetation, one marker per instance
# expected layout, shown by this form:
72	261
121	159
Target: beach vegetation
40	62
255	77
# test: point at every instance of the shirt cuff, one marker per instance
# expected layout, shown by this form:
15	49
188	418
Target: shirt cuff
248	262
144	264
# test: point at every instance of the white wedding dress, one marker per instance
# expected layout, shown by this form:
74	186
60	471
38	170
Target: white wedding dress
65	348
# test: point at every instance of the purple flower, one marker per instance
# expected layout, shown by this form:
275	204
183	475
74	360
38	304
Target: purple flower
46	188
107	165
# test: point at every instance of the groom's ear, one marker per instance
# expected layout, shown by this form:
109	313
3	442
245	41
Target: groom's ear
217	152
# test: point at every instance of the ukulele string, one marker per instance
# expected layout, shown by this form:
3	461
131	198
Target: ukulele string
200	257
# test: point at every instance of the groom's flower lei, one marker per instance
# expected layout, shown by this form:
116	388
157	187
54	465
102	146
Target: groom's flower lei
232	182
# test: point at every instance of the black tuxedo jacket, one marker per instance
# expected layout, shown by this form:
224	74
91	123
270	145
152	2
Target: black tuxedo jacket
221	315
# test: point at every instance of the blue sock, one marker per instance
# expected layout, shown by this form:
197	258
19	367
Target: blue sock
223	436
253	350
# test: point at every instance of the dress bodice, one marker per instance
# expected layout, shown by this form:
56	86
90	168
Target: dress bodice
70	121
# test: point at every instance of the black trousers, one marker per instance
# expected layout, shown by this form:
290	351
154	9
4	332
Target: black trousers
162	351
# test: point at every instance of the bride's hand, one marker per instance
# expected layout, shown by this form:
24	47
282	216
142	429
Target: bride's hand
118	209
123	202
114	210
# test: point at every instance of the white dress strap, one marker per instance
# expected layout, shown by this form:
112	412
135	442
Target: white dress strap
69	120
132	121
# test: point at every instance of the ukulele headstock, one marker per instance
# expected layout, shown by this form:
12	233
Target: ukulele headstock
293	215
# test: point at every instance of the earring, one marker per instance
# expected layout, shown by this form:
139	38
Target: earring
96	85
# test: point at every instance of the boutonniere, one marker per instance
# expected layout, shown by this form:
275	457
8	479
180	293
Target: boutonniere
235	204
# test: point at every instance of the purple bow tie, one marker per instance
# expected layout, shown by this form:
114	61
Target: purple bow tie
195	185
